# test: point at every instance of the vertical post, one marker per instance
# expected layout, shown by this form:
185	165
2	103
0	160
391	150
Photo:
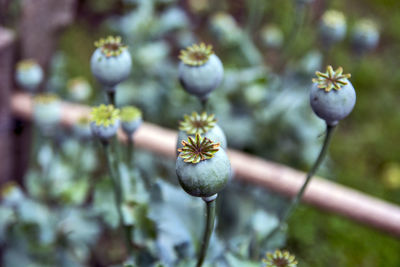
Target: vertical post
7	38
41	23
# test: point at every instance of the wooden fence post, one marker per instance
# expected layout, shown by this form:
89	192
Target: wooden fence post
7	39
40	25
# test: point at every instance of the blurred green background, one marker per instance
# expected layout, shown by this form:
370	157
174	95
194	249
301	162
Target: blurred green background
363	154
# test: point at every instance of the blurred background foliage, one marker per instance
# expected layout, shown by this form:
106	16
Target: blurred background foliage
262	105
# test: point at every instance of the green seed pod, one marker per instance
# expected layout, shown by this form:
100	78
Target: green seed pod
105	121
47	112
200	70
79	89
131	119
111	62
203	168
28	75
332	96
333	27
203	124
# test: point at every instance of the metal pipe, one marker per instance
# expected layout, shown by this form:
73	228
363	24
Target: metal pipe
320	193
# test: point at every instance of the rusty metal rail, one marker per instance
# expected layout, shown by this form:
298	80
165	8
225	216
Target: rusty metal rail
320	193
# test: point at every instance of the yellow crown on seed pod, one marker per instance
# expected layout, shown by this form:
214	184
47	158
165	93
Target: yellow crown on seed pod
331	79
105	115
196	55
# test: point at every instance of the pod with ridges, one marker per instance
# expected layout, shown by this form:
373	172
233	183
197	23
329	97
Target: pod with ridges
200	70
203	168
332	96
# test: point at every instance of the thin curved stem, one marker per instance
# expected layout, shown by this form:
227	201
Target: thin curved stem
210	219
117	194
310	174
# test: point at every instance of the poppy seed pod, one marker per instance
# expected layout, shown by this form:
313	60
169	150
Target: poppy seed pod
131	119
104	121
333	27
111	62
79	89
46	110
82	128
28	75
203	124
332	96
365	36
203	168
200	70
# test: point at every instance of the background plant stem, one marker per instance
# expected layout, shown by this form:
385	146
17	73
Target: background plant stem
130	151
117	194
210	219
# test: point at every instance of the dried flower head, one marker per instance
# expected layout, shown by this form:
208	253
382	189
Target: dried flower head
45	98
196	55
197	123
26	64
111	46
331	79
104	115
130	113
279	259
197	149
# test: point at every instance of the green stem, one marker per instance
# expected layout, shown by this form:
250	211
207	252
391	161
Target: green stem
300	14
117	194
46	172
111	97
204	104
130	150
210	219
310	174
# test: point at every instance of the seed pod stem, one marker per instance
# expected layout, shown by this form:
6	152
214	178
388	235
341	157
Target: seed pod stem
295	201
130	157
106	145
210	220
111	98
204	104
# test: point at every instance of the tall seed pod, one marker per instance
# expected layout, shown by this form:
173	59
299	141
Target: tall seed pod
111	63
203	170
332	96
200	70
